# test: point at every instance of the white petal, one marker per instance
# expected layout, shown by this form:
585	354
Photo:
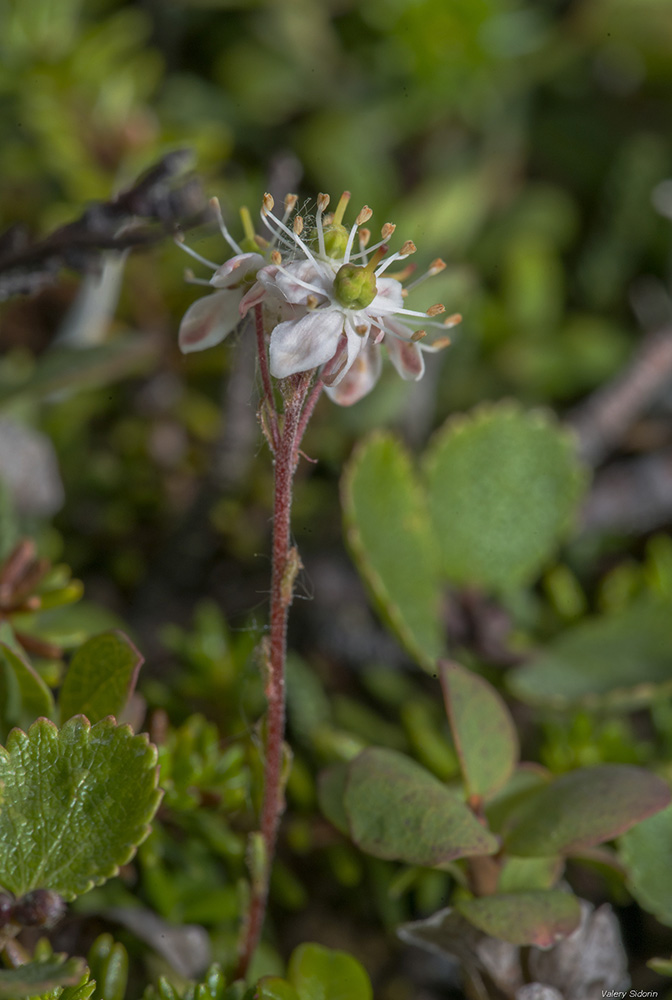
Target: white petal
406	356
388	297
237	269
355	343
296	292
209	320
299	345
360	378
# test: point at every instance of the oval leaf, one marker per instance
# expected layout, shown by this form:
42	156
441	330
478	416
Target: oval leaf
274	988
398	810
76	803
331	793
24	694
584	808
524	918
389	534
101	677
320	973
483	731
617	661
646	851
504	486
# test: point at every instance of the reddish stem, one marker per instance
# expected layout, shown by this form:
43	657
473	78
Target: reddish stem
285	565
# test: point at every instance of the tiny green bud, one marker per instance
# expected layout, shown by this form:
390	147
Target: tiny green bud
354	286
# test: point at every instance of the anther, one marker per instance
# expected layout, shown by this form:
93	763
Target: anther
364	215
276	257
452	320
436	266
440	343
364	237
436	310
290	202
323	202
387	230
311	301
268	203
418	335
361	329
409	247
297	225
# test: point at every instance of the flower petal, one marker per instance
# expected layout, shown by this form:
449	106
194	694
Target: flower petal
388	296
307	273
298	345
360	378
209	320
404	354
234	271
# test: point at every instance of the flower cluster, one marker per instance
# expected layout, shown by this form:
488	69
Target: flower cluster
325	298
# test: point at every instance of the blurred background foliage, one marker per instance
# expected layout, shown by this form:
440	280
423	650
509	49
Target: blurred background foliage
528	145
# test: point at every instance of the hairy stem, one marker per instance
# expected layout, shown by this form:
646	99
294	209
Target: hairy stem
285	566
268	399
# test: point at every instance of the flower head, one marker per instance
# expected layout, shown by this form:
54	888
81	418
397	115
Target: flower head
326	302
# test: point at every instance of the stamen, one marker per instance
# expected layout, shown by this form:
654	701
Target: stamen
179	239
361	329
364	237
452	320
348	246
364	215
370	268
407	249
267	203
267	214
322	204
191	279
340	208
297	225
418	335
387	230
438	345
290	203
311	301
434	268
276	257
436	310
299	281
215	206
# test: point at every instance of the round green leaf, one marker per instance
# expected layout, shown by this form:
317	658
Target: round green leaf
320	973
646	851
584	808
398	810
275	988
504	485
483	731
101	677
524	918
389	534
620	661
331	793
75	804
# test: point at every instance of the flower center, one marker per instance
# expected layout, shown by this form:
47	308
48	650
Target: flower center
355	286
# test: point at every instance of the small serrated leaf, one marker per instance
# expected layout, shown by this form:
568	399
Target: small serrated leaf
75	804
483	731
39	977
619	661
524	918
398	810
504	486
583	808
101	677
389	533
319	973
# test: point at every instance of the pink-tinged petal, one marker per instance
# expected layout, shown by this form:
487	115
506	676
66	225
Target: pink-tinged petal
291	282
360	377
254	297
388	298
354	343
299	345
209	320
234	271
406	357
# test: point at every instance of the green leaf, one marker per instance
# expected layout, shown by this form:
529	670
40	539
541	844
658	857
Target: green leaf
621	661
584	808
521	874
23	694
275	988
483	731
101	677
524	918
525	781
398	810
389	534
39	977
76	803
331	795
320	973
663	966
646	851
504	485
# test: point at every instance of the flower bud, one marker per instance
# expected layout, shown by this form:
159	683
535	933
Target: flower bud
354	286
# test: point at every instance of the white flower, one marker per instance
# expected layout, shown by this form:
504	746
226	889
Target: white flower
343	310
209	320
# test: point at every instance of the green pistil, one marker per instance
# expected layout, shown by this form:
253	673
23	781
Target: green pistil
355	286
335	240
251	243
